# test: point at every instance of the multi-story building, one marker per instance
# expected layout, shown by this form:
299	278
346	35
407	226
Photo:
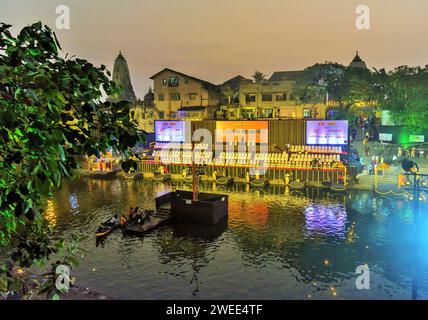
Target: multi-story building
230	107
274	99
178	95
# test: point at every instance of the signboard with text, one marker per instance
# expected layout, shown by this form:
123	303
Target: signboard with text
328	132
416	138
170	131
241	131
385	137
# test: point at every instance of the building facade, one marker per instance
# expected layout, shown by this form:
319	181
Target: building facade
274	99
178	95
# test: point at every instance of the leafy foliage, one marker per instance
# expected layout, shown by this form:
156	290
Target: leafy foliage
404	92
50	111
259	76
345	86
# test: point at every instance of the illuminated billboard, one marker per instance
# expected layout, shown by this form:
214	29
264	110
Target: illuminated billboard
334	132
416	138
241	131
170	131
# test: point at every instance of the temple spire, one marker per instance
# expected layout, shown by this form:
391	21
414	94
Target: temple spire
357	62
122	77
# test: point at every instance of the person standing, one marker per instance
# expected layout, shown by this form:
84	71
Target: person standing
366	147
354	134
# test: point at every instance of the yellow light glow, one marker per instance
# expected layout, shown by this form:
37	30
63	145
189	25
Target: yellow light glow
51	214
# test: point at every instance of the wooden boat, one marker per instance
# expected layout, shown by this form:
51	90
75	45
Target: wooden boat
297	185
259	183
106	228
224	181
103	231
154	221
100	174
161	177
131	176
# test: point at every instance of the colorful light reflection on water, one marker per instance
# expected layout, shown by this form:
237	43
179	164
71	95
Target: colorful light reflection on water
276	244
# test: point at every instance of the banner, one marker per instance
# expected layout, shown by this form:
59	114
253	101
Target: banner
327	132
240	131
170	131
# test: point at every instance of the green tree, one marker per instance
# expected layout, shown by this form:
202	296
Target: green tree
404	92
319	81
335	82
50	111
259	76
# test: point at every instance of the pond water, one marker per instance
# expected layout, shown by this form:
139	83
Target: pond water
275	244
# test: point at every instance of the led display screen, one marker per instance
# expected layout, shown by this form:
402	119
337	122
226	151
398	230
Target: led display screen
170	131
334	132
242	131
416	138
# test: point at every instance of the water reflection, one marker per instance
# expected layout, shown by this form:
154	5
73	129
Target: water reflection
276	243
325	220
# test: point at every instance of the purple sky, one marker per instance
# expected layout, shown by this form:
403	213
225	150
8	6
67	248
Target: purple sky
218	39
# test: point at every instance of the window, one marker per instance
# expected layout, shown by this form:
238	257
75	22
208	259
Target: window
164	82
173	82
250	98
161	97
266	97
161	114
281	97
173	115
186	81
175	97
192	96
307	113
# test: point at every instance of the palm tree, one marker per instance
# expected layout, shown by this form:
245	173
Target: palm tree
259	76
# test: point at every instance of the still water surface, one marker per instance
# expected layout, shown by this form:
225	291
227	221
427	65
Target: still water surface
274	245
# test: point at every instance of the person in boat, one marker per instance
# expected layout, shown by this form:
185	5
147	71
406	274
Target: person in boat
144	215
137	215
122	221
131	214
114	219
136	212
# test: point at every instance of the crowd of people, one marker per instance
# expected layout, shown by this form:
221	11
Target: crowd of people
135	214
411	152
377	163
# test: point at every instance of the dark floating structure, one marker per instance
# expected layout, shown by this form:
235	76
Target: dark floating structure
159	218
207	209
224	181
180	206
